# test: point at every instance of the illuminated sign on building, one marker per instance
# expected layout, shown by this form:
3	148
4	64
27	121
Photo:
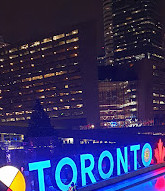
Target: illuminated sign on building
160	152
11	179
119	163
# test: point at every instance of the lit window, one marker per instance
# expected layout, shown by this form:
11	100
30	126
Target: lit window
72	33
13	50
58	36
46	40
19	113
155	95
24	46
10	119
61	73
72	48
72	40
79	105
161	102
47	47
154	67
20	119
66	86
13	56
28	112
37	77
66	107
41	90
76	92
73	55
35	44
26	80
42	97
49	75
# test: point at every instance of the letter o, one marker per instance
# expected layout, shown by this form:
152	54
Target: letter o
146	154
62	162
102	156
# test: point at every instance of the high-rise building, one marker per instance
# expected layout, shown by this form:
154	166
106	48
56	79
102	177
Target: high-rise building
134	39
108	31
60	70
132	31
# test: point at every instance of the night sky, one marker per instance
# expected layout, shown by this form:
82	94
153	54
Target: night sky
22	20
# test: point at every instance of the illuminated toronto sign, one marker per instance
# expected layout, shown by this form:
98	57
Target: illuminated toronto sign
119	163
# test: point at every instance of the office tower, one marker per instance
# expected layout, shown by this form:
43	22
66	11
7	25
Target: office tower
60	70
108	31
134	39
132	31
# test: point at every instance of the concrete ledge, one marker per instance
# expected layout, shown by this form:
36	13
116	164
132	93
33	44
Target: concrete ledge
113	180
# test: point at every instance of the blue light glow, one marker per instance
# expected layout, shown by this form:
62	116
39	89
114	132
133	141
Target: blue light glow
124	161
87	170
146	154
135	148
71	163
102	156
40	166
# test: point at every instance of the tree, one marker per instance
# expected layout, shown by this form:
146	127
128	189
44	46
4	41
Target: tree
39	124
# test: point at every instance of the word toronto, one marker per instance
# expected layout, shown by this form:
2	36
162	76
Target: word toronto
119	159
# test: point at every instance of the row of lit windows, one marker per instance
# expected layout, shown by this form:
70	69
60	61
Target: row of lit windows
76	113
47	109
76	77
46	40
45	76
47	47
139	57
158	102
157	95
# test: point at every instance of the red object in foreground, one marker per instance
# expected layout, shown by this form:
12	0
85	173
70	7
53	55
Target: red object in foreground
160	183
160	152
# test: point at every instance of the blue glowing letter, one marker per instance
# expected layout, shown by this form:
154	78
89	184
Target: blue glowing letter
121	159
40	166
87	170
135	148
65	161
102	156
146	154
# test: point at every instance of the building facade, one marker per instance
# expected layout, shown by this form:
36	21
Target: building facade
134	39
60	70
118	103
124	100
132	31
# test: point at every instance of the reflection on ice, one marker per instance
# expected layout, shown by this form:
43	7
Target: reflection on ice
156	184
